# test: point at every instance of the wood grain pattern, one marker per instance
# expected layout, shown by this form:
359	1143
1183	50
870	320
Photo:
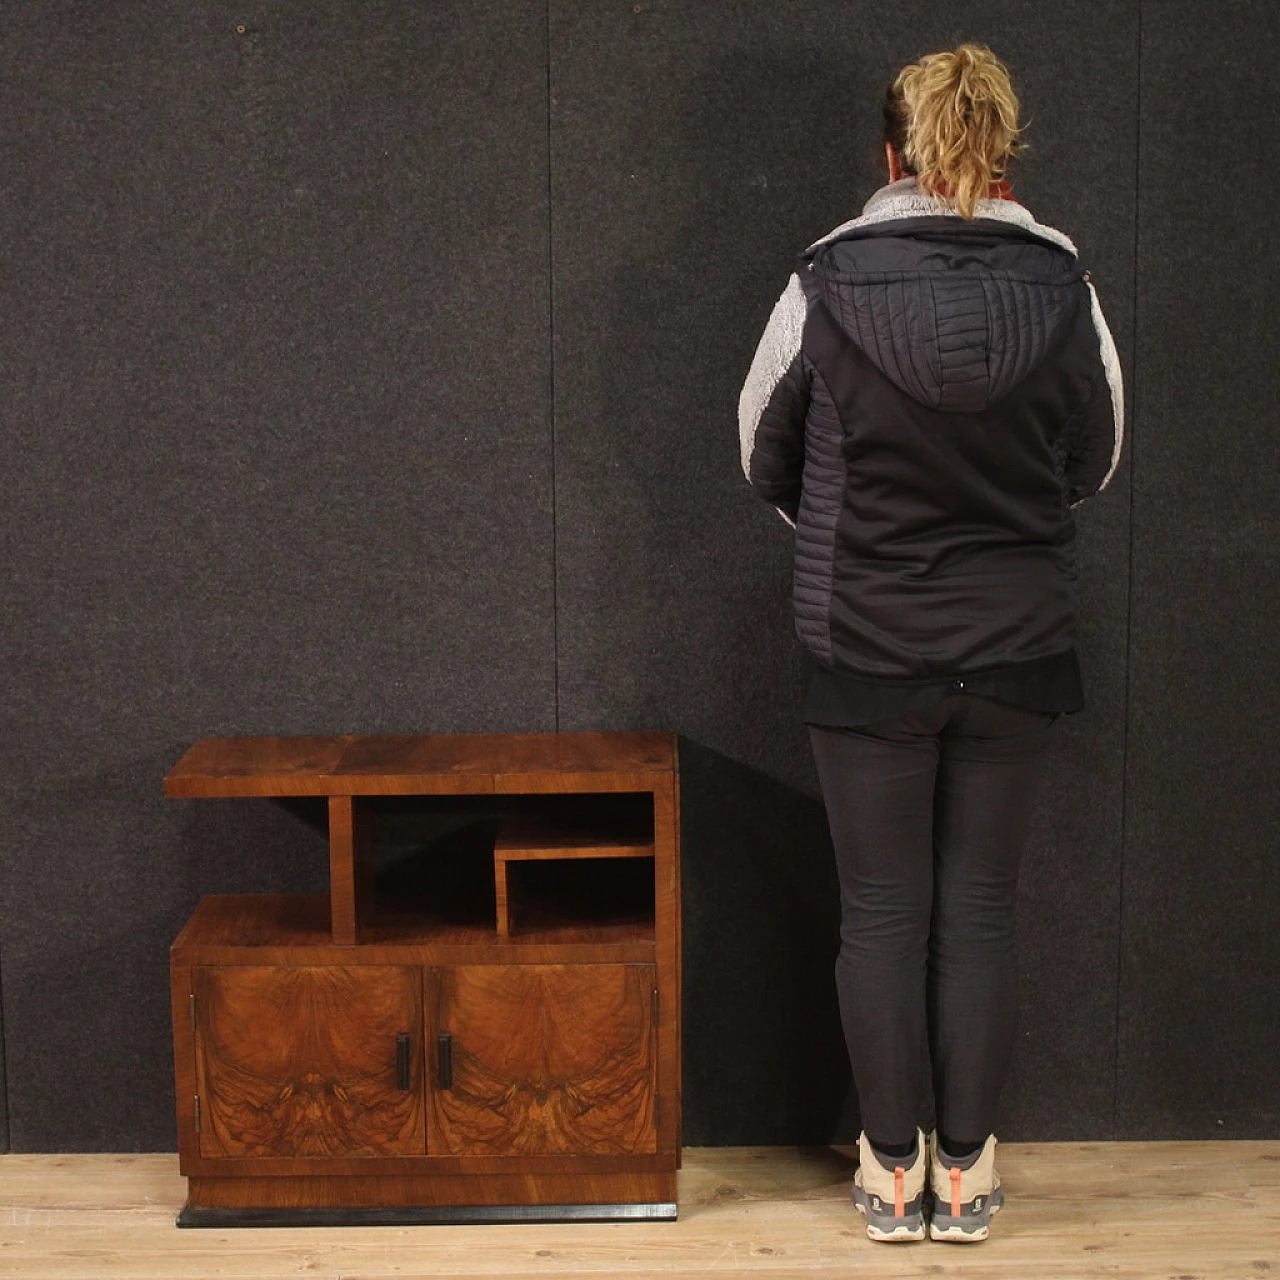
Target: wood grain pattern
569	835
350	869
302	1061
293	929
1075	1211
252	758
533	1167
501	896
668	935
186	1084
567	1066
490	1188
422	764
577	1077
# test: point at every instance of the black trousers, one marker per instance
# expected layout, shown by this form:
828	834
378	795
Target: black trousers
929	815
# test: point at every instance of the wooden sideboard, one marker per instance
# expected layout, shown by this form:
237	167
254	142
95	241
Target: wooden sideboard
493	1038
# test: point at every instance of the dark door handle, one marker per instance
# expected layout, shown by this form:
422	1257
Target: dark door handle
445	1042
403	1043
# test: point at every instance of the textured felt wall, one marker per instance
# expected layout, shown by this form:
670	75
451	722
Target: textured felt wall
1200	982
277	460
692	157
375	368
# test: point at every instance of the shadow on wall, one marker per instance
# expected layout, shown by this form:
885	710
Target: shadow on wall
764	1056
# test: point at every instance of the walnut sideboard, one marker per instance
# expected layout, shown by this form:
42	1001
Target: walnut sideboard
500	1045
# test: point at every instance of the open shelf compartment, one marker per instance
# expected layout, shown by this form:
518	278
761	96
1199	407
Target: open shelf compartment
571	870
528	868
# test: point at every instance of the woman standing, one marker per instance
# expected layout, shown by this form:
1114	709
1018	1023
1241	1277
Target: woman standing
935	390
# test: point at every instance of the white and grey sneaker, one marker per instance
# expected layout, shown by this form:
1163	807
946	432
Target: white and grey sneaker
963	1194
890	1192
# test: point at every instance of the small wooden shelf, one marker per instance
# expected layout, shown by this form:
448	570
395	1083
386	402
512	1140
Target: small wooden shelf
567	837
577	877
482	1016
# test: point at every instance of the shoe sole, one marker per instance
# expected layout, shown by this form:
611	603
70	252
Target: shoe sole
886	1226
968	1227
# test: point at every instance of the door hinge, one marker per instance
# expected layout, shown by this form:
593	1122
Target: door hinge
193	1011
197	1112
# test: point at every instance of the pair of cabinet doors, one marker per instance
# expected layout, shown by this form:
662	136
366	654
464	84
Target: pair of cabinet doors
392	1061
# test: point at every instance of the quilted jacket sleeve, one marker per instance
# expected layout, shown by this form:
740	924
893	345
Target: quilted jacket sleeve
773	404
1093	445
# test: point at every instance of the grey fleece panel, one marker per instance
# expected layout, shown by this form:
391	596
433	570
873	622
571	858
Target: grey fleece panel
777	454
957	344
820	503
1094	435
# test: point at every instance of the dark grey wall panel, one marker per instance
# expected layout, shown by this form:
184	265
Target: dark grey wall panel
280	324
277	461
695	151
1200	981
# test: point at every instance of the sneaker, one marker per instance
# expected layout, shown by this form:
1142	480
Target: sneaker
892	1198
963	1194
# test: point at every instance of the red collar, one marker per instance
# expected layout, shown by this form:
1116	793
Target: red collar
998	190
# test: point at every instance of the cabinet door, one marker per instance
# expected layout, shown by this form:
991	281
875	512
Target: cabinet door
546	1059
309	1061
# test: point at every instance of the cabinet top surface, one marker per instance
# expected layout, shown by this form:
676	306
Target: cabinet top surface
418	763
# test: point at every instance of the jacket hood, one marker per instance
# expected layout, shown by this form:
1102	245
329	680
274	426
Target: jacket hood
955	313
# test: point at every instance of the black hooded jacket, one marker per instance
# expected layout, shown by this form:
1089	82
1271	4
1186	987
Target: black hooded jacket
931	398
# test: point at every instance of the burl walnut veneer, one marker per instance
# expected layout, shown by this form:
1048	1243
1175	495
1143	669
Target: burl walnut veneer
345	1059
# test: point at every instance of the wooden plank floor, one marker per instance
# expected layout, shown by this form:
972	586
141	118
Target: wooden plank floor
1125	1210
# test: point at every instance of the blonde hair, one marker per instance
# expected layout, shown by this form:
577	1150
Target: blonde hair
953	117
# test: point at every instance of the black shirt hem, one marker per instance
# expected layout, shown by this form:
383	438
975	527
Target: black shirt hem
833	697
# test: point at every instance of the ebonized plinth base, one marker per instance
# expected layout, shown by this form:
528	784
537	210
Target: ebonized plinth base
425	1215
